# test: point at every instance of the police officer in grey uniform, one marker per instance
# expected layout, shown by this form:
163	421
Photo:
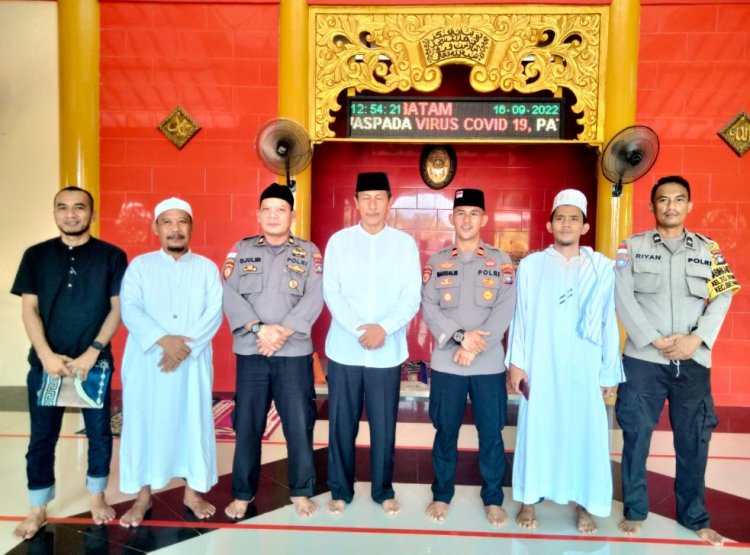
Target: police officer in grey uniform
468	299
272	297
672	309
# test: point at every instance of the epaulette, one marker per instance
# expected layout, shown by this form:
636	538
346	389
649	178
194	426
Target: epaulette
706	239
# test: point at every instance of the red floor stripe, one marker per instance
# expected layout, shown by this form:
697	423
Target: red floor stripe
391	531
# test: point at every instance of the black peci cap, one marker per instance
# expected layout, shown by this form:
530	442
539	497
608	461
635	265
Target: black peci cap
469	197
274	190
373	181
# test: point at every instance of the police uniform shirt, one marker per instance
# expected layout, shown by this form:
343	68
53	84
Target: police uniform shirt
477	292
73	286
276	285
661	290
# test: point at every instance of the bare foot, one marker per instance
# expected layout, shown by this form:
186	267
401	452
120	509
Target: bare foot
711	536
630	527
195	502
336	506
304	506
134	516
526	517
496	515
237	508
584	521
101	512
31	525
437	511
391	507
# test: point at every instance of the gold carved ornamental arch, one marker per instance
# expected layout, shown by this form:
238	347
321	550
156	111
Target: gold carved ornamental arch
523	49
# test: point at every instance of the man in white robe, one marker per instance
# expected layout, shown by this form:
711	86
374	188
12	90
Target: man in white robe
564	344
171	305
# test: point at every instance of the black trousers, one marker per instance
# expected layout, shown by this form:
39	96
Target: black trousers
348	387
288	381
488	402
640	400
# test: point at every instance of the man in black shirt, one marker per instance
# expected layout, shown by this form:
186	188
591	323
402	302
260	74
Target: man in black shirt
69	288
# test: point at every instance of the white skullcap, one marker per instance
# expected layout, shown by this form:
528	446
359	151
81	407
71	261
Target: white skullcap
571	197
172	203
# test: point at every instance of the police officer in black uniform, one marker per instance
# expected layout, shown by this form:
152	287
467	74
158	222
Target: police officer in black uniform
468	300
673	290
272	296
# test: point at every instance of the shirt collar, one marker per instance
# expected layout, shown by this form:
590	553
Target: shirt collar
690	239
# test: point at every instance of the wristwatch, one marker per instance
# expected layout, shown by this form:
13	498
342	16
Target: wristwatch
458	335
98	345
255	328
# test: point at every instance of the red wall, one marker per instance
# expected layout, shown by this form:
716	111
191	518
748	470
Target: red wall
220	63
694	77
519	184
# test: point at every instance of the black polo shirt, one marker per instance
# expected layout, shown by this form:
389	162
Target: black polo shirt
74	286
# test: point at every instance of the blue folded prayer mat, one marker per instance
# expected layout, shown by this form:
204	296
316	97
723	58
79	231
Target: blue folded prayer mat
74	392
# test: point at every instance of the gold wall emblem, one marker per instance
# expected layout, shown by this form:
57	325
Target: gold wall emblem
179	127
523	49
736	133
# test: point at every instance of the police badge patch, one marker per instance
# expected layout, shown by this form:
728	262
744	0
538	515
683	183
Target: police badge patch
507	271
623	258
318	262
229	264
426	273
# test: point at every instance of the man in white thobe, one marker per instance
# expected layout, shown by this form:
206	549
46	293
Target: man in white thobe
171	305
564	354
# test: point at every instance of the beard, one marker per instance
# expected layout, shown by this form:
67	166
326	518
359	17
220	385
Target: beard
76	232
180	249
566	242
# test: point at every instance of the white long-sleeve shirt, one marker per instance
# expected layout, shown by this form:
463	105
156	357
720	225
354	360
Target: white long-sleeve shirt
370	279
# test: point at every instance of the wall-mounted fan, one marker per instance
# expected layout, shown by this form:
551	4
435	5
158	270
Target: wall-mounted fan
284	147
629	155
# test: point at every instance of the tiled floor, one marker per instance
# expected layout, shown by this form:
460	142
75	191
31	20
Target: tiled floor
274	528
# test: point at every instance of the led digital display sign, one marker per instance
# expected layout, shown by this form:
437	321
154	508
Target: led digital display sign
454	118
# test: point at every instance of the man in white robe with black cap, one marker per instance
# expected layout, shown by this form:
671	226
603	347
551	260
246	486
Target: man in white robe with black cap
564	356
371	286
171	305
